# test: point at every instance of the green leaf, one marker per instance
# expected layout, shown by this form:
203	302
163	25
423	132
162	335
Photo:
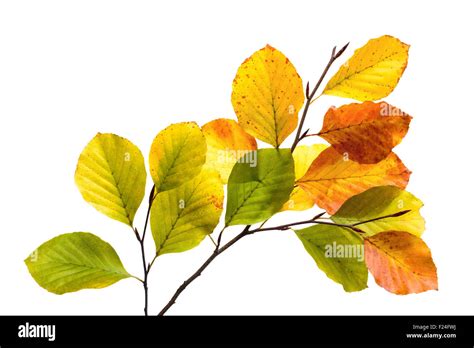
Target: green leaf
177	155
338	252
182	217
75	261
111	176
383	201
258	189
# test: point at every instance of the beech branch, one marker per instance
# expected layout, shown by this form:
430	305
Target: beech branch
247	231
196	274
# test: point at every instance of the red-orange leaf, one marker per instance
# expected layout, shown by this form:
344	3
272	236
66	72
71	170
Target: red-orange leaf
367	132
400	262
333	178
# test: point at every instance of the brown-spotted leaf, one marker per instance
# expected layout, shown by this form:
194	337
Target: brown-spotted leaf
227	143
267	94
367	132
333	178
400	262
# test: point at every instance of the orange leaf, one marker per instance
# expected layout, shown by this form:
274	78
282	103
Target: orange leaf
400	263
226	142
367	132
332	178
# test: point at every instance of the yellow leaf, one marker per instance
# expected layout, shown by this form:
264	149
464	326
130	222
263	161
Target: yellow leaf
111	176
303	156
267	94
177	155
372	72
332	178
299	200
227	142
181	218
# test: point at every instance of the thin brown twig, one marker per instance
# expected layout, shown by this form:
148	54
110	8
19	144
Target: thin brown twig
309	98
247	231
196	274
400	213
141	240
305	222
317	220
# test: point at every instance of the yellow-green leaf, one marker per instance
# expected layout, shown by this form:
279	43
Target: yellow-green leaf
75	261
182	217
111	176
267	94
379	202
177	155
372	72
338	252
303	156
227	143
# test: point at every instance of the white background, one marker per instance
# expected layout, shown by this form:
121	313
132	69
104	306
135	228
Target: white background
69	69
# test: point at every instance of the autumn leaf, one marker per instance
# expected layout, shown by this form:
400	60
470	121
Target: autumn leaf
182	217
256	191
400	262
374	224
177	155
75	261
111	176
379	202
372	72
367	132
267	94
324	243
332	179
303	156
227	142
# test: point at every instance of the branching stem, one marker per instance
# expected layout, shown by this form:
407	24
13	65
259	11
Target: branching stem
310	96
196	274
246	231
141	240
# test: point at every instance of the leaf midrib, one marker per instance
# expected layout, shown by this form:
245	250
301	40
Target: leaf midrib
351	177
166	176
259	183
402	264
87	267
124	206
350	76
362	123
